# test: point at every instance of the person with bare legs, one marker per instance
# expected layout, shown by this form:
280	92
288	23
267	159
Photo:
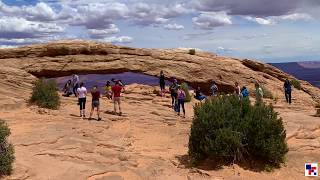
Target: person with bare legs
81	94
116	94
95	102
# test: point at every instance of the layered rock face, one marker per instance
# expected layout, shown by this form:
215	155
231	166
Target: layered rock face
67	57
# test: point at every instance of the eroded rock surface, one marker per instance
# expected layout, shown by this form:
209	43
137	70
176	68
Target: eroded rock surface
67	57
149	141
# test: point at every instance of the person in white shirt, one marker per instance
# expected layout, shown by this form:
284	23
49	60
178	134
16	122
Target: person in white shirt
81	94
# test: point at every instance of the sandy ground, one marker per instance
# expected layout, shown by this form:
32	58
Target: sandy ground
148	142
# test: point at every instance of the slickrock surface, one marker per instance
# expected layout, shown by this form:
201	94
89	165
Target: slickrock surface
149	141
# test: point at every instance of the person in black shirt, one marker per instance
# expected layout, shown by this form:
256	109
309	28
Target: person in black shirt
162	83
287	90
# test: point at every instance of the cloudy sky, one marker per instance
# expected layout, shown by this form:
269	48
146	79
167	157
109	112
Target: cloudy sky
269	30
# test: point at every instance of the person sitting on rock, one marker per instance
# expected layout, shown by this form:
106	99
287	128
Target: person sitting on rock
116	94
95	102
67	89
199	96
108	90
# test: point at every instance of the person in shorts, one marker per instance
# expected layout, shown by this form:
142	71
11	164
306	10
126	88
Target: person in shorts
116	94
95	102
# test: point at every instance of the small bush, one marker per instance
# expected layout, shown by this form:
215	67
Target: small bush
192	51
6	150
185	88
296	84
45	94
233	130
63	50
267	93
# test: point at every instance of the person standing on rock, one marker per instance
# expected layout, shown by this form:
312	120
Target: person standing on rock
75	83
287	90
95	102
237	90
181	100
244	92
162	84
82	93
108	90
173	91
214	89
116	94
258	93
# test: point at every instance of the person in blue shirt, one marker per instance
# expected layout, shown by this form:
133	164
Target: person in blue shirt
244	92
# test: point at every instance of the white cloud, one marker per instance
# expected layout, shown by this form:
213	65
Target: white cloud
210	20
120	39
174	26
262	21
296	17
100	33
226	50
145	15
40	12
100	15
12	27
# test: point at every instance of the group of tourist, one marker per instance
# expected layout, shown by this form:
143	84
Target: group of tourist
74	86
178	94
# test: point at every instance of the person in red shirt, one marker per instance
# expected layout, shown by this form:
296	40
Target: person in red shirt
95	102
116	94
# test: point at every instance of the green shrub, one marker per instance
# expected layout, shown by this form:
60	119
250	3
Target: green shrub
6	150
45	94
296	84
266	93
63	50
192	51
185	88
235	131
